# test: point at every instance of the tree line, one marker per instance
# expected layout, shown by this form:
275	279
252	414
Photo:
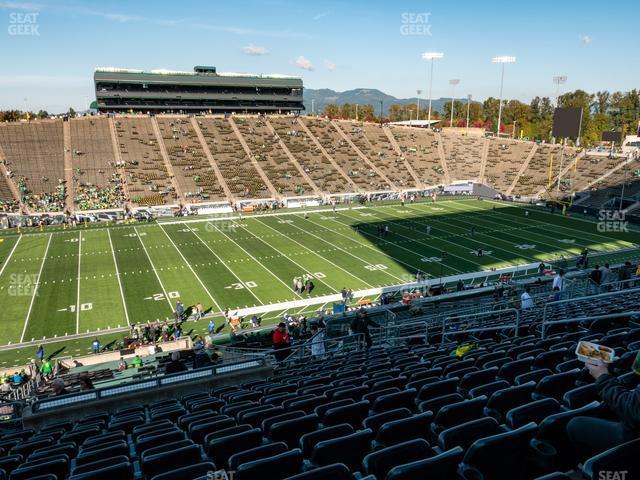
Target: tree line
602	111
18	115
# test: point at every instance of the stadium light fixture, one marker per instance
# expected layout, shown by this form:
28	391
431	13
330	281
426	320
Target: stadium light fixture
418	93
468	110
431	56
453	82
502	60
559	80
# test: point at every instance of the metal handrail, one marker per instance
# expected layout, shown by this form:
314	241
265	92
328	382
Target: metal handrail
411	329
503	326
545	323
269	352
585	298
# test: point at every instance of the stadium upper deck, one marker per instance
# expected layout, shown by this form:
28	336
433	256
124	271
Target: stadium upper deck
203	90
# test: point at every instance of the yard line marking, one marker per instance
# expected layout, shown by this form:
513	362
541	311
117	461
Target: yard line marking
582	232
365	262
78	298
418	254
481	212
6	261
287	257
315	253
256	260
154	269
471	238
113	253
191	268
481	215
223	263
481	266
35	290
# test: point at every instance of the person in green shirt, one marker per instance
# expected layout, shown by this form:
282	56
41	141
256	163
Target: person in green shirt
46	369
136	362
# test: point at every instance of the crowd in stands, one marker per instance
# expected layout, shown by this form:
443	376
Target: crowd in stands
9	206
43	202
91	197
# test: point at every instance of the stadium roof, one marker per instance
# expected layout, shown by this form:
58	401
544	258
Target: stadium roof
179	72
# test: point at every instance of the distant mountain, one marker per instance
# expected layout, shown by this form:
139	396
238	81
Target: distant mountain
364	96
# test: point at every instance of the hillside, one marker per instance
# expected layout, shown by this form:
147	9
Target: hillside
363	96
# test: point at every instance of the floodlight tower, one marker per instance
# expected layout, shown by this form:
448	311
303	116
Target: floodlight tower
468	110
453	82
559	80
418	92
431	56
502	60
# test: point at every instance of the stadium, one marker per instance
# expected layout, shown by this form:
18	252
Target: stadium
231	275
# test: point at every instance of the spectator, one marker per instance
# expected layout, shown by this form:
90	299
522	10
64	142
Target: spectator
85	382
317	342
17	378
136	362
591	435
460	286
555	295
175	365
216	354
200	358
95	346
559	281
595	278
281	341
5	389
361	324
211	326
46	368
57	385
40	353
526	302
122	365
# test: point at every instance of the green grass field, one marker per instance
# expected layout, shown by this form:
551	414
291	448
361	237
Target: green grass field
57	282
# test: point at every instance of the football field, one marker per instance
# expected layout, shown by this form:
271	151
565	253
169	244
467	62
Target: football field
56	282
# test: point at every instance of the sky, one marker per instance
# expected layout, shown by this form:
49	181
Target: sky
49	49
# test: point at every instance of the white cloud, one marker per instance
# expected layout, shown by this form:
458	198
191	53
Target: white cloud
586	39
254	50
304	63
330	65
320	15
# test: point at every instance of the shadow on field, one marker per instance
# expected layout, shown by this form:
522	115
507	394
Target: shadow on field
442	239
